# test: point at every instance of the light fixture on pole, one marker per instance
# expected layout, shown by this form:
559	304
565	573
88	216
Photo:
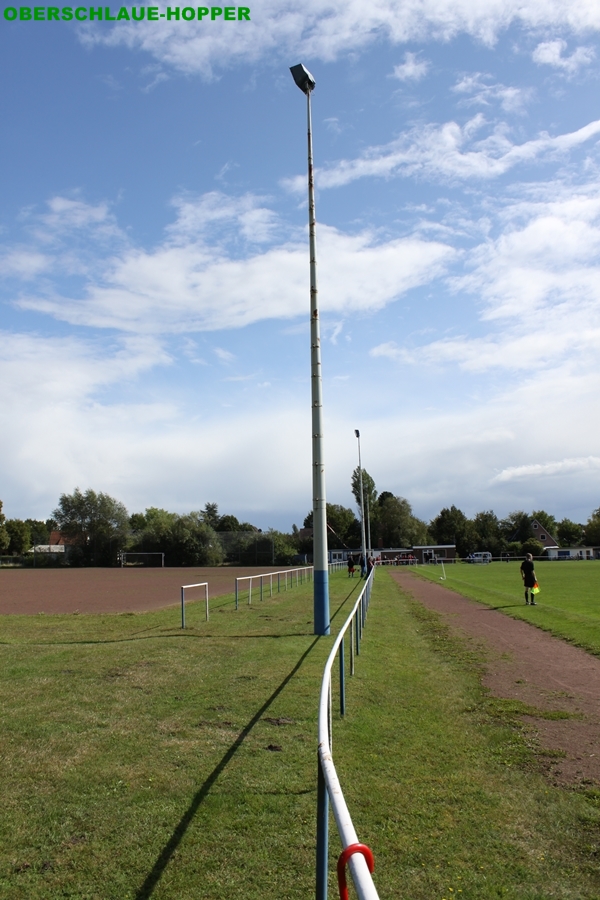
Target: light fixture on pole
306	83
362	501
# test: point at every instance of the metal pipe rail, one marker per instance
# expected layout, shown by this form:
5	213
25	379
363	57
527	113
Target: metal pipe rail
303	573
329	788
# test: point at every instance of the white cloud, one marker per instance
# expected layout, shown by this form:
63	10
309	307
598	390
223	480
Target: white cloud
550	53
327	30
538	291
224	356
67	217
540	470
24	263
478	92
412	69
188	284
448	152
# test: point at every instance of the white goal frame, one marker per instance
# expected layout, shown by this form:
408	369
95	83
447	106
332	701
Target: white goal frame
125	554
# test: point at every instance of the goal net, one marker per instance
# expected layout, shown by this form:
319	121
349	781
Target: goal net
130	559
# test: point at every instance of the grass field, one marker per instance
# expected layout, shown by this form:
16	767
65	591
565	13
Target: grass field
141	761
568	604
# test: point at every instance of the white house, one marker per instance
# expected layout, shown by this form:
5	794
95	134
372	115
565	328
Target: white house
574	552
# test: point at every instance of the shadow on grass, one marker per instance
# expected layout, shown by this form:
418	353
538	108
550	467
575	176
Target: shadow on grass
147	888
186	634
507	606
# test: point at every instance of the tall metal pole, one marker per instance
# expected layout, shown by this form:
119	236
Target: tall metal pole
362	501
321	571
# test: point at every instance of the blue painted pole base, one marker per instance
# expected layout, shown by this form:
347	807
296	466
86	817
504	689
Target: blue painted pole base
321	601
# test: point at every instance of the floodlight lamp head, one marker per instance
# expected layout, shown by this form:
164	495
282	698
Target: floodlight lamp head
357	432
303	78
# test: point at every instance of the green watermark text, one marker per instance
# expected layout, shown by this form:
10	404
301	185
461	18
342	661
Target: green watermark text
128	14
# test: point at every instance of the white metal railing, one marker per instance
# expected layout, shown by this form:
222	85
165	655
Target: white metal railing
304	573
329	785
184	588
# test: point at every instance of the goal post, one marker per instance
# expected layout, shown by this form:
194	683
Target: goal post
131	558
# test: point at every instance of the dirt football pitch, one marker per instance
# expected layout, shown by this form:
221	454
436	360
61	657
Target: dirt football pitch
34	591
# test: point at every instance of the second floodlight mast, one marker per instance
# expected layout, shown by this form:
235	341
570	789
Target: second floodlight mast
306	83
362	502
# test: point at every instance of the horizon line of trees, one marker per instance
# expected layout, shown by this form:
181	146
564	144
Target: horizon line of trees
99	527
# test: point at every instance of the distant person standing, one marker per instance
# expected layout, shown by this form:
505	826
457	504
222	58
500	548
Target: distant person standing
529	579
363	566
350	567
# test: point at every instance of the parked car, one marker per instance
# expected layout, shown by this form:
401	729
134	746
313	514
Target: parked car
482	558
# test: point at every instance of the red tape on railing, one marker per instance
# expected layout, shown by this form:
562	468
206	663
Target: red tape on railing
345	855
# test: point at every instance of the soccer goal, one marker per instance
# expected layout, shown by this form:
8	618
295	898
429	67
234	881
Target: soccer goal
142	559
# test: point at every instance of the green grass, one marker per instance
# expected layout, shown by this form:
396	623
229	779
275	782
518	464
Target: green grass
135	760
567	605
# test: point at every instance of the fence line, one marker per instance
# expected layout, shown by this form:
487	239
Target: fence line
356	855
185	587
304	573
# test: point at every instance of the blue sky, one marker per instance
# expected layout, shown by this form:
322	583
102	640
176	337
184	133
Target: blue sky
154	257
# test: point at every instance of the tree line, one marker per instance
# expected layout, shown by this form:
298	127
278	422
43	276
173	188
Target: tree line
98	527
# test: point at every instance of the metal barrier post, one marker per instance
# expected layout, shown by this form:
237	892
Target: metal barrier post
352	647
322	834
183	607
261	587
271	585
236	593
250	591
358	632
206	589
342	681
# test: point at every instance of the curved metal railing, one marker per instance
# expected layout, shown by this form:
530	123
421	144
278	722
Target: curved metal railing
329	788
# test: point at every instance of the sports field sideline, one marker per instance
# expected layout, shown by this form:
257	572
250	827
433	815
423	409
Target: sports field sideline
33	591
143	761
568	604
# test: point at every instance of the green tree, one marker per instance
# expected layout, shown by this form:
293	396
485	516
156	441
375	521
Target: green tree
194	542
343	527
39	531
97	523
569	533
228	523
533	546
20	536
488	536
396	524
185	540
369	490
210	515
451	526
284	548
516	527
592	529
4	535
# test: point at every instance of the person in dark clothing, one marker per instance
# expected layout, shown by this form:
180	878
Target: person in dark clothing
350	567
363	566
529	579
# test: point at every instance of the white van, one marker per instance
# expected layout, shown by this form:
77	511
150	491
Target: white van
482	558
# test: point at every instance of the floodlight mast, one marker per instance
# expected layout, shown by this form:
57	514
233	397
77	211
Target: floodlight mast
306	83
362	501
